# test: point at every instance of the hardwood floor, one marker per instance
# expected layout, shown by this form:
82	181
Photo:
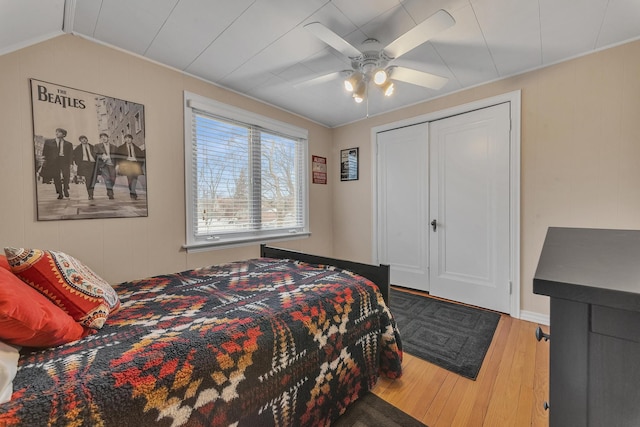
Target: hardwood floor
510	390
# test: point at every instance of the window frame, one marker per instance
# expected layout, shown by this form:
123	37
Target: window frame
199	243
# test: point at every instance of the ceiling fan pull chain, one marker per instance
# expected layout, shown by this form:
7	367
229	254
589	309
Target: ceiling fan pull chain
367	91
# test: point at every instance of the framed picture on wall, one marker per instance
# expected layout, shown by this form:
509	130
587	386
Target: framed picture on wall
90	154
319	169
349	164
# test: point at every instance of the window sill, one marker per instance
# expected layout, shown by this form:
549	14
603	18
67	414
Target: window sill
211	245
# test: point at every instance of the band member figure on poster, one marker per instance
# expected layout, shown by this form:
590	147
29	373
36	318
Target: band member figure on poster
84	156
58	154
105	163
130	163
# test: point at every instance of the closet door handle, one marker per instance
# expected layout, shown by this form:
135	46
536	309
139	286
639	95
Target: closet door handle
541	335
434	224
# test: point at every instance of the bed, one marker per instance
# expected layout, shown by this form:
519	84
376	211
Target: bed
287	339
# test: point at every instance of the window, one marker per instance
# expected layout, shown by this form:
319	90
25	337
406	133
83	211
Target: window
246	176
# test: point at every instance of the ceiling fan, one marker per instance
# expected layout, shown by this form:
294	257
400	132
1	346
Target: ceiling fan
376	64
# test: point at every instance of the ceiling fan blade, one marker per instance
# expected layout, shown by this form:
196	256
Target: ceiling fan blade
439	21
419	78
332	39
318	80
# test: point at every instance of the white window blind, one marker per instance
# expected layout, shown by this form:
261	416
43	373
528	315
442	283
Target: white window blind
246	176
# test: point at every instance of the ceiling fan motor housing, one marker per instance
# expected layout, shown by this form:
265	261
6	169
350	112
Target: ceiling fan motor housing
370	60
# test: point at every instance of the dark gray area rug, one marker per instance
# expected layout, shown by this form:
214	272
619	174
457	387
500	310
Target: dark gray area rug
453	336
370	411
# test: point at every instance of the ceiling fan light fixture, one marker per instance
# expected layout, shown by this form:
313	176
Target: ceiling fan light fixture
348	85
352	82
360	91
388	88
380	76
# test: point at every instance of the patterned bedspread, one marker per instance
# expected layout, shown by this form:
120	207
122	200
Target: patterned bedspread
258	343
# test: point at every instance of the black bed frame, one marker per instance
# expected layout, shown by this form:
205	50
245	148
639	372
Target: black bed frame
378	274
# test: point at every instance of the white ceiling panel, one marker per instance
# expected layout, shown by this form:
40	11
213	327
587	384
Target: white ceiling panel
327	61
362	11
85	17
511	29
199	21
132	25
621	22
569	27
260	47
330	16
421	10
389	26
259	26
463	49
36	27
297	72
292	48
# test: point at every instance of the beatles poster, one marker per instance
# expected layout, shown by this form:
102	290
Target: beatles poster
90	154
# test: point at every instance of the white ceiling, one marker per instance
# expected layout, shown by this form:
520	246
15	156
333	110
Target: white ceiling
259	47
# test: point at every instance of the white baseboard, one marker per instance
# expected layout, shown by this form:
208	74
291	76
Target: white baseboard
530	316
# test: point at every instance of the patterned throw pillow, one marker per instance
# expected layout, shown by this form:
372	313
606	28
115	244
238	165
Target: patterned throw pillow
28	318
67	282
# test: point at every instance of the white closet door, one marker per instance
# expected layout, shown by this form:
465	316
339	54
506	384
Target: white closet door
469	201
403	194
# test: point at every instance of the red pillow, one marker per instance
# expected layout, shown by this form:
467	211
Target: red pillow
28	318
70	284
4	263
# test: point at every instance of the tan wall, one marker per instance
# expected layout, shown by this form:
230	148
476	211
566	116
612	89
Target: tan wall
580	159
122	249
580	164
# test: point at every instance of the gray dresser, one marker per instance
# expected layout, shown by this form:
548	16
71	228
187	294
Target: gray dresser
593	279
